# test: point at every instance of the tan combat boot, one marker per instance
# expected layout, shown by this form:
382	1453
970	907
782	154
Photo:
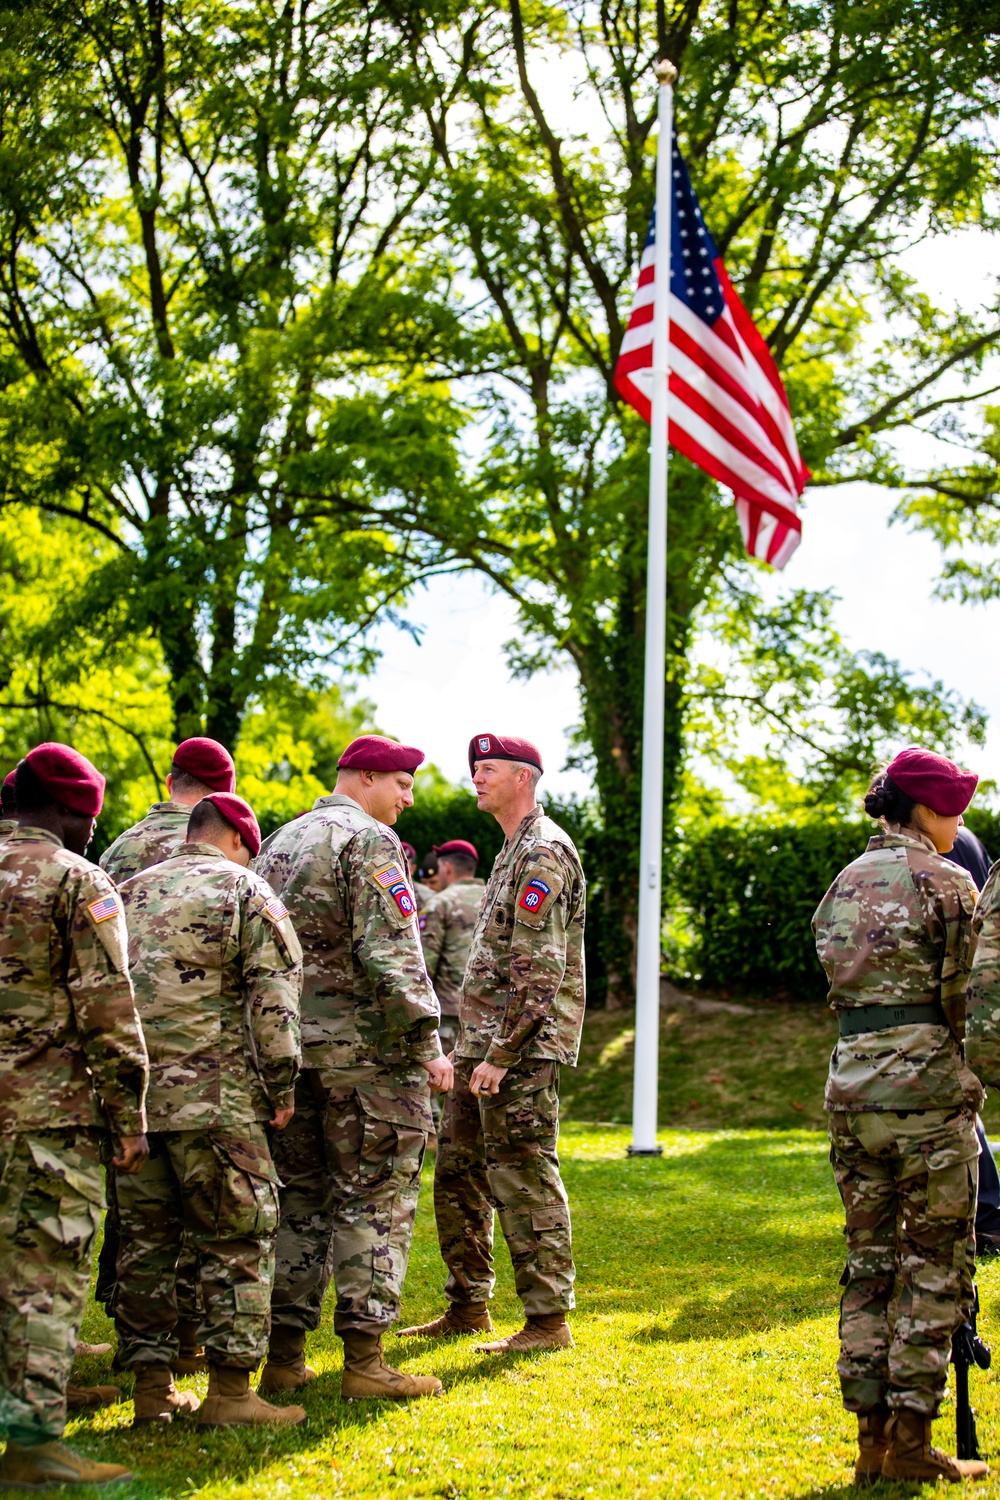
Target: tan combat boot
872	1444
79	1397
83	1348
367	1377
910	1455
191	1355
156	1397
546	1331
286	1368
47	1464
467	1317
231	1403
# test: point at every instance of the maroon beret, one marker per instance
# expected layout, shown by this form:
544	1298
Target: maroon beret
10	778
68	777
373	752
457	846
208	762
241	815
502	747
933	780
410	852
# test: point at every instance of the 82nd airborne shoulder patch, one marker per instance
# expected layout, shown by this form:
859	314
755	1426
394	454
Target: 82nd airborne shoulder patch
534	894
401	895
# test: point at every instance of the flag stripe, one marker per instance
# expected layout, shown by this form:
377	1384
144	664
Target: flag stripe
728	409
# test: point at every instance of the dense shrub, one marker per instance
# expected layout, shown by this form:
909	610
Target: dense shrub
741	900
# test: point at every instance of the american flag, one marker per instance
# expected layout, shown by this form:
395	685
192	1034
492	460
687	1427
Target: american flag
103	909
728	409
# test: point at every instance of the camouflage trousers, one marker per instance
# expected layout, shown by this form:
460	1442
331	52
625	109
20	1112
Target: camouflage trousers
448	1030
190	1305
51	1197
217	1190
908	1182
349	1162
500	1152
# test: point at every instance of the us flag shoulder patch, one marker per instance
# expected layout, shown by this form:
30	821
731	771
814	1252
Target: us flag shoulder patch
389	876
101	910
535	893
276	910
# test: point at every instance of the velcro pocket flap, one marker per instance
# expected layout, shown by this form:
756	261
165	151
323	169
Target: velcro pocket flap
554	1217
251	1297
247	1157
410	1109
48	1158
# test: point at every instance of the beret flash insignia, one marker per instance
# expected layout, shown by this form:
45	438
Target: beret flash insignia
484	743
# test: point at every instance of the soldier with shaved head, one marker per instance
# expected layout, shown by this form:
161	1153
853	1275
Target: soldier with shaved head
521	1013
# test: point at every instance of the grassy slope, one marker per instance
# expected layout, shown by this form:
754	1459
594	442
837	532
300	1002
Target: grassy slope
705	1330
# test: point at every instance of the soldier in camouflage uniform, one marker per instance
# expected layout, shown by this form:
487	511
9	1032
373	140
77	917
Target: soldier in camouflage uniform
894	934
521	1013
72	1063
8	805
350	1161
210	944
446	927
422	892
199	766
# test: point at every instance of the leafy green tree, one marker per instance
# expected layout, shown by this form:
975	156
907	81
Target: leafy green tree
824	139
209	313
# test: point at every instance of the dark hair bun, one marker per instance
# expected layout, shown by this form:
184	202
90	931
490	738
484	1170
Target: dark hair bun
884	799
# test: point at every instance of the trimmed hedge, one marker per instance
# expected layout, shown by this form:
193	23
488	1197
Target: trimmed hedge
742	894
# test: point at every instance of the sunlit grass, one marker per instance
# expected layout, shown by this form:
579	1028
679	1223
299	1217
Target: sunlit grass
704	1363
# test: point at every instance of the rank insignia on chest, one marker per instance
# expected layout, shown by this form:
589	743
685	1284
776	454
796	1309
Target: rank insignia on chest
101	910
276	910
535	893
401	895
389	876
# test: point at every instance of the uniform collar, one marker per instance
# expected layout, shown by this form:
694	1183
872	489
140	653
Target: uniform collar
525	824
201	851
171	807
338	799
895	837
27	833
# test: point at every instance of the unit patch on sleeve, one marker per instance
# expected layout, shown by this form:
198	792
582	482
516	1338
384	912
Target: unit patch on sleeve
534	894
101	910
388	876
401	895
276	910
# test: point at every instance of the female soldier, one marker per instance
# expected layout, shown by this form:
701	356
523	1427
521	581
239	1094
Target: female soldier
894	934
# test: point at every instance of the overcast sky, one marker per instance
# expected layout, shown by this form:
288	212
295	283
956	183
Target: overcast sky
455	683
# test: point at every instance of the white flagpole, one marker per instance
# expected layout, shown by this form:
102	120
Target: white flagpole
647	979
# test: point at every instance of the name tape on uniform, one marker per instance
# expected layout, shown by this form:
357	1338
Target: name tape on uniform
534	894
101	910
276	910
388	876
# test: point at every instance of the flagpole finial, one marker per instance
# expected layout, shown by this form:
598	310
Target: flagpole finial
665	71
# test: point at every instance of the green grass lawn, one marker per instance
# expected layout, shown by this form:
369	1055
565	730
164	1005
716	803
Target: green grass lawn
706	1324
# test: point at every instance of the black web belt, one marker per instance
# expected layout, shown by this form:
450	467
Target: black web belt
882	1017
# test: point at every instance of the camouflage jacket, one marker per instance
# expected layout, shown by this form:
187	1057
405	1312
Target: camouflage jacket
982	1034
7	826
71	1046
424	896
524	994
159	836
217	970
895	928
446	927
367	1002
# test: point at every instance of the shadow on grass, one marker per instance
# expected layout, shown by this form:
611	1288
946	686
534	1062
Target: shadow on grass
740	1233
